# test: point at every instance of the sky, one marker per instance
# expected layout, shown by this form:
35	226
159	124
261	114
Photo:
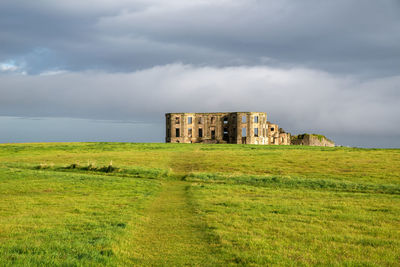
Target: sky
109	70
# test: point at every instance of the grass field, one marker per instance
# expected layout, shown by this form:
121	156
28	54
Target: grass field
199	205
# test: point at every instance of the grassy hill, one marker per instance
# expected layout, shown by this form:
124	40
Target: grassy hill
193	204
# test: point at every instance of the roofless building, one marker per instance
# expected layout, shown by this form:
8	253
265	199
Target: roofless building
224	127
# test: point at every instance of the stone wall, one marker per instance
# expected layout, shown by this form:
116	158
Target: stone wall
312	140
233	128
222	127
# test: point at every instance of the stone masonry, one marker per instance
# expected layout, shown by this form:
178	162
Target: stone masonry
312	140
224	127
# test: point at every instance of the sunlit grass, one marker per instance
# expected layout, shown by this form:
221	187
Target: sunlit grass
56	218
264	226
148	204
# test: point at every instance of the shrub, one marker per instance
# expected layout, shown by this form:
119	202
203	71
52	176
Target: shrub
73	166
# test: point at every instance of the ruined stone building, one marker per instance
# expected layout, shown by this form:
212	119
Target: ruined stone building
224	127
311	140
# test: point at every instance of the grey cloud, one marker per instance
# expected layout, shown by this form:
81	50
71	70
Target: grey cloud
299	99
357	36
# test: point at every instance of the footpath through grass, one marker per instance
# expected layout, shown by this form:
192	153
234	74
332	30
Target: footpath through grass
63	204
172	233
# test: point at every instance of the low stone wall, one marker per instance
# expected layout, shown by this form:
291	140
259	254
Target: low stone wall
312	140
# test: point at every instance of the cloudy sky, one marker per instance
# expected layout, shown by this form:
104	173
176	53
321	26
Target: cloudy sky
330	67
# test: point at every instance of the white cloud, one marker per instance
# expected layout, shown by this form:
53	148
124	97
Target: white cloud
52	72
298	99
8	66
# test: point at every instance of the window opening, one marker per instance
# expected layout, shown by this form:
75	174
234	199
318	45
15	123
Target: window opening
226	134
212	132
212	120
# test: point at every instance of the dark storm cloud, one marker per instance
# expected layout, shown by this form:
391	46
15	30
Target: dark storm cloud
358	36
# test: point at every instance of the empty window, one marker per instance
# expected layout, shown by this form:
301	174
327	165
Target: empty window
244	132
212	130
177	120
189	120
200	132
256	119
243	118
256	132
212	120
225	120
190	132
226	134
177	132
200	120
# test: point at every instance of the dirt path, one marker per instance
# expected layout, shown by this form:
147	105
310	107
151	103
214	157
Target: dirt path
172	233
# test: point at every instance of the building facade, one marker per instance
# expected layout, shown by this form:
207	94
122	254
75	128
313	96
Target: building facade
224	127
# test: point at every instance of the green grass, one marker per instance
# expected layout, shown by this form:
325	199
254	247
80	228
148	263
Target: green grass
270	225
59	218
64	204
173	234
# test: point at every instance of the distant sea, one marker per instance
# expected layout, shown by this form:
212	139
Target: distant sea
42	129
27	130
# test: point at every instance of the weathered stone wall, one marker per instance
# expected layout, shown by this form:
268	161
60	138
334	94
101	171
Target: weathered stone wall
228	127
284	138
233	128
312	140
